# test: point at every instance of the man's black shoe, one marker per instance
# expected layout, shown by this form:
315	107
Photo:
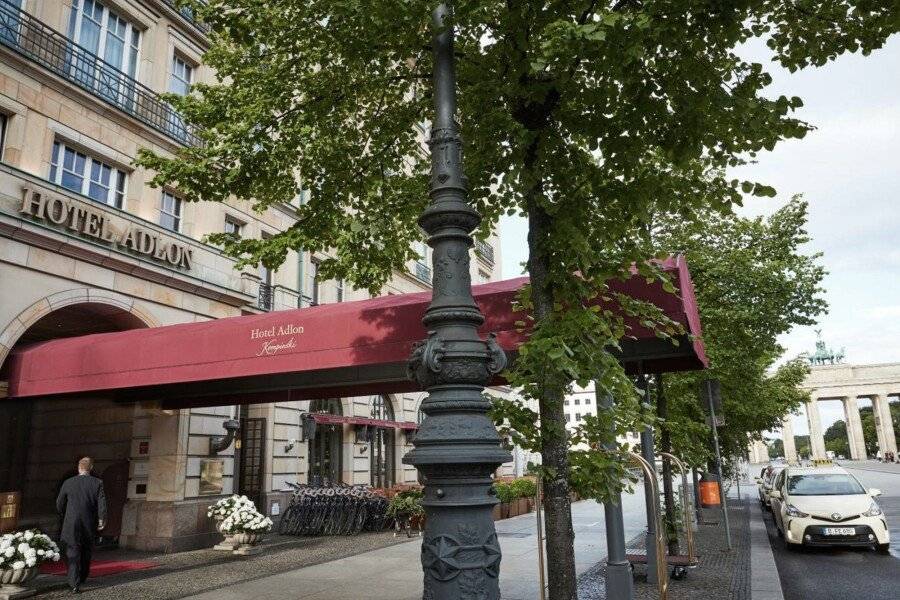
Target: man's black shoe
76	590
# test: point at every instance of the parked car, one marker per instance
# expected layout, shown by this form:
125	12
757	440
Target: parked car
765	480
827	506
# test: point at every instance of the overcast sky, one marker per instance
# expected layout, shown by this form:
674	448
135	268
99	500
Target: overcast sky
848	171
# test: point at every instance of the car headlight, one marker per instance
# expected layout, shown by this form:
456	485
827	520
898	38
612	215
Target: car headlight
793	511
874	510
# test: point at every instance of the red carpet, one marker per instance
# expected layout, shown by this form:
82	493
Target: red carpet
99	568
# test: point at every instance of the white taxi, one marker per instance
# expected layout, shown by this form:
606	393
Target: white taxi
826	506
765	481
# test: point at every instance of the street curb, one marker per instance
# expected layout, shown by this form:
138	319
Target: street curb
764	581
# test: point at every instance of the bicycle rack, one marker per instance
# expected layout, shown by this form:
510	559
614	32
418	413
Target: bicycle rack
691	558
333	510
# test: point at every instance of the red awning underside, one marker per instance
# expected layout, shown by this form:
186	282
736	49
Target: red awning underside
350	348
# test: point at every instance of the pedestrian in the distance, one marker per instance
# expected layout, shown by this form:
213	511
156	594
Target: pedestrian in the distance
82	503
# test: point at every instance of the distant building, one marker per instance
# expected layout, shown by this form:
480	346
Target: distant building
581	403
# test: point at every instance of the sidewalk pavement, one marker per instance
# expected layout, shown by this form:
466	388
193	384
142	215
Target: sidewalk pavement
394	573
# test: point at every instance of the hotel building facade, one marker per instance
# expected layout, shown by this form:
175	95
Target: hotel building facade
86	246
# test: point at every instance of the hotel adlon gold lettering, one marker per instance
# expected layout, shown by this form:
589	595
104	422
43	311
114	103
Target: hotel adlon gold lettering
98	224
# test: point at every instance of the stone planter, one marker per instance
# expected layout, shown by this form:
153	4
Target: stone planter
229	544
247	543
12	583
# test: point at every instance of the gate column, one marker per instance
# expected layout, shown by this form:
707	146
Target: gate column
854	429
787	435
816	437
884	425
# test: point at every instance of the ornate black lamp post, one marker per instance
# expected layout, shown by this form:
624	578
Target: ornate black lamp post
457	447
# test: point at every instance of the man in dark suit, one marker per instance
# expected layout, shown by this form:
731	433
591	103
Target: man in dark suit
83	505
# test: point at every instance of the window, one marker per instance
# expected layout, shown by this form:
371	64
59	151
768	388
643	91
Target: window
179	83
577	416
181	76
587	400
109	36
566	402
84	174
823	484
568	417
577	401
233	226
170	212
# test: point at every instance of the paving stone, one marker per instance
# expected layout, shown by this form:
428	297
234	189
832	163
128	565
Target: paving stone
722	575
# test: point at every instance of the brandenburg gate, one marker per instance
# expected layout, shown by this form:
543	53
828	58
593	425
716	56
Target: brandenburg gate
847	383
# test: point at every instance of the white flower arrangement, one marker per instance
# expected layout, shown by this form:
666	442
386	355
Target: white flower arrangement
26	549
246	520
222	509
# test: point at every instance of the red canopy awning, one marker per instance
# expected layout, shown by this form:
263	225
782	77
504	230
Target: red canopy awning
344	349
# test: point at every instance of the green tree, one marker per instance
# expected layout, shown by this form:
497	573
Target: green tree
589	118
836	438
776	447
753	283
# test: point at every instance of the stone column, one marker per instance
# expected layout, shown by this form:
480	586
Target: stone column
883	424
854	429
168	456
816	437
787	434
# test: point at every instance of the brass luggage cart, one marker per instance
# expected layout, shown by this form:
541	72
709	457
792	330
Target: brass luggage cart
679	562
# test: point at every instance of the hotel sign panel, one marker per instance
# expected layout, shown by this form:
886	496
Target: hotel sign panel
105	227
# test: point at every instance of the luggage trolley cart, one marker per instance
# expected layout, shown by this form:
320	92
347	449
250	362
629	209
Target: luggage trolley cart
635	556
679	562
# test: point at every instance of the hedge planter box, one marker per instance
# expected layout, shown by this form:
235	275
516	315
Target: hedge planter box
12	583
506	510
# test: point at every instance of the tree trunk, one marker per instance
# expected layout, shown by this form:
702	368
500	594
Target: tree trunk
665	442
554	452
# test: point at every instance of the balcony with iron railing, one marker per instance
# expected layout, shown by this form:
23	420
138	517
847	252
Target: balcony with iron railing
41	44
266	297
484	250
188	13
422	272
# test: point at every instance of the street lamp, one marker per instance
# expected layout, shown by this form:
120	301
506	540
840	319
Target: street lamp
457	447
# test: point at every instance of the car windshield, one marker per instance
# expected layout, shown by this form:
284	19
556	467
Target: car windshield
823	484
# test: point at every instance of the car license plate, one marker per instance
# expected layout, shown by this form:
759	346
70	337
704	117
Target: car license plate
840	531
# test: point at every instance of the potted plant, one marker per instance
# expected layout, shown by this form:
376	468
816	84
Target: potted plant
406	509
222	510
21	553
247	526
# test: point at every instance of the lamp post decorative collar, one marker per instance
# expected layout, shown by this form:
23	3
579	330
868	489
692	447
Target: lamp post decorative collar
457	447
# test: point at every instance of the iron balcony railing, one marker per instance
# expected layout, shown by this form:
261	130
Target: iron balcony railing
266	299
188	13
45	46
423	272
484	250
